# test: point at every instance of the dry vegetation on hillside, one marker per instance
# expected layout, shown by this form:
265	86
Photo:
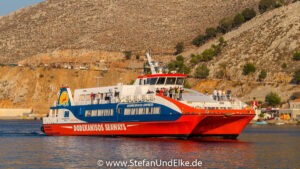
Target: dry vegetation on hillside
109	25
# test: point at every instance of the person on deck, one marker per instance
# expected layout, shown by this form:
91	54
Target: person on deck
215	93
170	92
180	93
92	98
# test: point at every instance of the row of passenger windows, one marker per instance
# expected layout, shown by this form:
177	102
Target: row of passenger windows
99	112
142	111
163	81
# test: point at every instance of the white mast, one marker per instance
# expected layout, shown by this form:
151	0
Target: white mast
148	54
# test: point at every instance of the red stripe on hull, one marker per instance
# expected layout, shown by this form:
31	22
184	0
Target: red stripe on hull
194	125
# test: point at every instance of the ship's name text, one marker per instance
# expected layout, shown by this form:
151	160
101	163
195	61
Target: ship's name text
100	127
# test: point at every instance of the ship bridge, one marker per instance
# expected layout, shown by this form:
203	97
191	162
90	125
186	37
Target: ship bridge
162	80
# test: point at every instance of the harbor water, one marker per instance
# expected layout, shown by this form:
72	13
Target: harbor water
23	145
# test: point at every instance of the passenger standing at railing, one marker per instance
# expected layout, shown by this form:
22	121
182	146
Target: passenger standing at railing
219	95
180	93
98	98
92	97
161	92
157	91
170	92
229	94
176	93
215	93
173	93
165	92
223	94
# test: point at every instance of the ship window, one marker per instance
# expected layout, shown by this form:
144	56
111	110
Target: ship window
156	110
94	112
100	112
66	114
161	81
153	81
141	111
171	80
81	97
87	113
127	112
180	81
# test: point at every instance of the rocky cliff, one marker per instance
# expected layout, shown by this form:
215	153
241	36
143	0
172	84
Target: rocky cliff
109	25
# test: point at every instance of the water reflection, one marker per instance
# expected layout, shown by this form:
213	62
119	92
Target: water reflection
256	148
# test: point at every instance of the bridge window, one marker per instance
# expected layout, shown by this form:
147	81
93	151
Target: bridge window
180	81
171	80
153	81
161	81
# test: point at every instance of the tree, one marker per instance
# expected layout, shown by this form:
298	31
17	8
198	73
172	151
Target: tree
296	56
179	48
210	32
137	57
238	20
208	54
248	68
262	75
222	41
297	76
225	24
249	14
217	49
180	58
265	5
223	69
202	72
272	99
127	54
199	40
187	85
284	65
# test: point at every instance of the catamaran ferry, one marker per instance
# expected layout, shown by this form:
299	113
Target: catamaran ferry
156	105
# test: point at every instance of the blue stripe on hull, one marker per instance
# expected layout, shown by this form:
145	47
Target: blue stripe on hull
166	114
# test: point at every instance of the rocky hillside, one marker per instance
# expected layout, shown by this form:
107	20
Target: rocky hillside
267	41
109	25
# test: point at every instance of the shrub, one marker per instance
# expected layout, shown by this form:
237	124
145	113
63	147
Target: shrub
137	57
284	65
202	72
278	4
238	19
265	5
248	68
187	84
207	54
262	75
272	99
222	41
41	75
179	48
178	65
248	14
195	59
180	58
184	69
210	32
225	24
296	56
297	76
217	49
199	40
127	54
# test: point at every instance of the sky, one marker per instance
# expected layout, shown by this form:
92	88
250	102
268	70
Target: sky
8	6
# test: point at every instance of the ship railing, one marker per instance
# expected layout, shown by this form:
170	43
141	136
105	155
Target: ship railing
50	120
